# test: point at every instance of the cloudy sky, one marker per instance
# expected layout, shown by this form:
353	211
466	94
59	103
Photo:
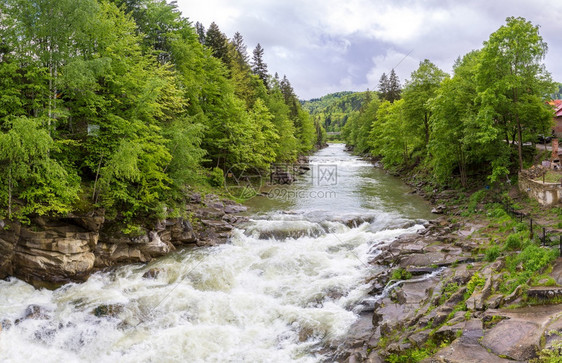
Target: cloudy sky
326	46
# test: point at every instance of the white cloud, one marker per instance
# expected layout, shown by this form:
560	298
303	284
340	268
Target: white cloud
331	45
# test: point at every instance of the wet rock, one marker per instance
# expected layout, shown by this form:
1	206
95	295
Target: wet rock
5	324
231	209
153	273
34	312
418	271
440	209
111	310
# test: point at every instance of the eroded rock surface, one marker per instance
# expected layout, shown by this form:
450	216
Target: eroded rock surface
53	251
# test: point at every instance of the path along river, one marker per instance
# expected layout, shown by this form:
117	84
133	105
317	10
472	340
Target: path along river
290	281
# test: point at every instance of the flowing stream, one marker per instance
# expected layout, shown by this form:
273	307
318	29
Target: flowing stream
290	281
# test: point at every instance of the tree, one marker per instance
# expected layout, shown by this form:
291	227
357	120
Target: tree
259	67
240	48
201	33
389	134
418	92
394	88
455	136
218	42
384	87
28	173
512	80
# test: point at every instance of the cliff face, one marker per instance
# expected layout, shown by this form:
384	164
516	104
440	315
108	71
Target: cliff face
53	251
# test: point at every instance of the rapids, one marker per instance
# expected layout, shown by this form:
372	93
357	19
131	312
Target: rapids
291	280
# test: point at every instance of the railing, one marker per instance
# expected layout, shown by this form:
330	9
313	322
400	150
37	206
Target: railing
545	236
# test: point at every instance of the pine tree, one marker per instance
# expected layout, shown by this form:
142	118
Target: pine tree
384	86
218	42
240	47
200	30
394	88
258	65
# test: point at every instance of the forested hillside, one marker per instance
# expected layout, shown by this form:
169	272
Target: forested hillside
124	104
473	122
333	110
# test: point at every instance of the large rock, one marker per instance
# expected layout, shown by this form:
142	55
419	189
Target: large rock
54	251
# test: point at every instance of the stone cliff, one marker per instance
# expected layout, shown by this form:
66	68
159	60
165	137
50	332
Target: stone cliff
53	251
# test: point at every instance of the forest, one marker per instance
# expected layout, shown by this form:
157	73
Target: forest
125	105
476	122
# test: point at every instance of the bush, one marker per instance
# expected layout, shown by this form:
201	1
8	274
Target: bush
492	253
528	263
216	177
513	242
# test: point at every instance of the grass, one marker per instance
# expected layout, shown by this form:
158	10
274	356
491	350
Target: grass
551	176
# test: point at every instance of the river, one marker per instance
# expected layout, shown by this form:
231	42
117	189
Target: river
291	280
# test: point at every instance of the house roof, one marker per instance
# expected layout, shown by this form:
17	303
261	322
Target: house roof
557	105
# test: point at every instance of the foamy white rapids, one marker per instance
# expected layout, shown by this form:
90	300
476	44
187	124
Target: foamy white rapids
284	287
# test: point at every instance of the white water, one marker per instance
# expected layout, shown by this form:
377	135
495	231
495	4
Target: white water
285	286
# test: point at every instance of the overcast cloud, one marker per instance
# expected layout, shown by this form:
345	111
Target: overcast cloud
326	46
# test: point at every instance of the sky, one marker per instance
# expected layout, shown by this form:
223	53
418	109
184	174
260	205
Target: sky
326	46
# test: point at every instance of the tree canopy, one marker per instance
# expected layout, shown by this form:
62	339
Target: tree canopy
124	105
475	122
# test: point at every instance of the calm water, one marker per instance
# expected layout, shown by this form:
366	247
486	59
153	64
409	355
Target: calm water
291	280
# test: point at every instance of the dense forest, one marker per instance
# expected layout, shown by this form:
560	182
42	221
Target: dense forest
125	104
472	123
333	110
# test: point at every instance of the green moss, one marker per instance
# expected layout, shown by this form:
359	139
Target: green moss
400	274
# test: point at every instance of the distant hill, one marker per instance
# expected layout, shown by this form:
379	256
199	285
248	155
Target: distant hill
334	109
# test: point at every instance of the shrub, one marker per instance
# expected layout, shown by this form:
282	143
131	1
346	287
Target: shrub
216	177
513	242
492	253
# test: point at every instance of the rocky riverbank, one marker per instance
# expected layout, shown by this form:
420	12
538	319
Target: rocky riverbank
53	251
439	300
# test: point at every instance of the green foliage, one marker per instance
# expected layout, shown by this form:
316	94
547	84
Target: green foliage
448	291
119	103
492	253
29	174
475	199
472	124
216	177
334	110
476	281
400	274
523	266
513	242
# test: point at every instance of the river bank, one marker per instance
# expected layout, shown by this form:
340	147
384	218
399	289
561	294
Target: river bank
50	252
471	287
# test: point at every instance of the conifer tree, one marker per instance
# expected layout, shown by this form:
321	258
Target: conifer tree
394	88
201	33
218	42
259	67
384	86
